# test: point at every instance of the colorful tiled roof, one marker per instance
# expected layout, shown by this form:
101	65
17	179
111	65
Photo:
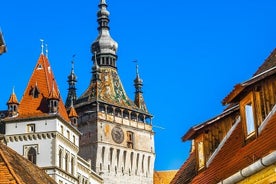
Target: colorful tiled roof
15	169
109	89
40	88
163	177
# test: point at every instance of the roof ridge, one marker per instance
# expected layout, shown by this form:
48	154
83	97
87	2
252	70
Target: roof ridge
9	167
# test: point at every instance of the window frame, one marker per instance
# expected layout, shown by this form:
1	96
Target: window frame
31	128
249	133
130	139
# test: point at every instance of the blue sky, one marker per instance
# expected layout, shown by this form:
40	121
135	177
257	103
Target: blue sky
190	54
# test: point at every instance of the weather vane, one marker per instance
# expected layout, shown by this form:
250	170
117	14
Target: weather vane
73	61
42	45
46	50
136	61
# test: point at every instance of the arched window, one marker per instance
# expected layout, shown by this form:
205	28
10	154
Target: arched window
60	158
125	154
149	167
72	165
111	156
137	164
143	160
131	160
32	155
66	162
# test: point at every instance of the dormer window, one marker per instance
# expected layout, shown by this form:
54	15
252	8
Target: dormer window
248	117
53	106
200	152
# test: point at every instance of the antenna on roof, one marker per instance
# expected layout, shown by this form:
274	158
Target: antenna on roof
42	46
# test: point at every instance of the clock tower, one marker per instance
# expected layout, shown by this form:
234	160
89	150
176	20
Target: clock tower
117	133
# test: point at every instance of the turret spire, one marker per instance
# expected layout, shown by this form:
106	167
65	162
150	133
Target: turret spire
12	104
138	83
72	80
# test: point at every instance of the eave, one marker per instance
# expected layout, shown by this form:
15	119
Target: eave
194	130
261	74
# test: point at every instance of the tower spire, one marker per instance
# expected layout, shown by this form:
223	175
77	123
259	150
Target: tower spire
104	45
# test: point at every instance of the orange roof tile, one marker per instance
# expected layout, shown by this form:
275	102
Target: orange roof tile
41	85
233	156
163	177
13	99
72	112
16	169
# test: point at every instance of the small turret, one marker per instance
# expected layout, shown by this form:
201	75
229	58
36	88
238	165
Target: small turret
53	101
73	115
12	105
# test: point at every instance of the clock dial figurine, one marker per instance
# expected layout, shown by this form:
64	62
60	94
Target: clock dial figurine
117	134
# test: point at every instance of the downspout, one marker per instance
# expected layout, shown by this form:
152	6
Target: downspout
251	169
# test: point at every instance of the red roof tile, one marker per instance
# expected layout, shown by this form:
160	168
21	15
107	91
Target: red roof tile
163	177
13	99
233	156
16	169
187	171
72	112
41	85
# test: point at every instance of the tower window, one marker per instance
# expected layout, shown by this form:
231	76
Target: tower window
130	141
68	134
66	162
60	158
72	165
31	128
32	155
61	129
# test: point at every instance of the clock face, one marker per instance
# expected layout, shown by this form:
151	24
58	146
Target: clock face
117	134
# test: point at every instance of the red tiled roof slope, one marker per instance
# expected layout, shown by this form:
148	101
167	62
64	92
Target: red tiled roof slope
13	99
269	63
72	112
41	85
235	156
163	177
187	171
16	169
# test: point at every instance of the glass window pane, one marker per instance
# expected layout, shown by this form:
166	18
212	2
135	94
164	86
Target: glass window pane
249	118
